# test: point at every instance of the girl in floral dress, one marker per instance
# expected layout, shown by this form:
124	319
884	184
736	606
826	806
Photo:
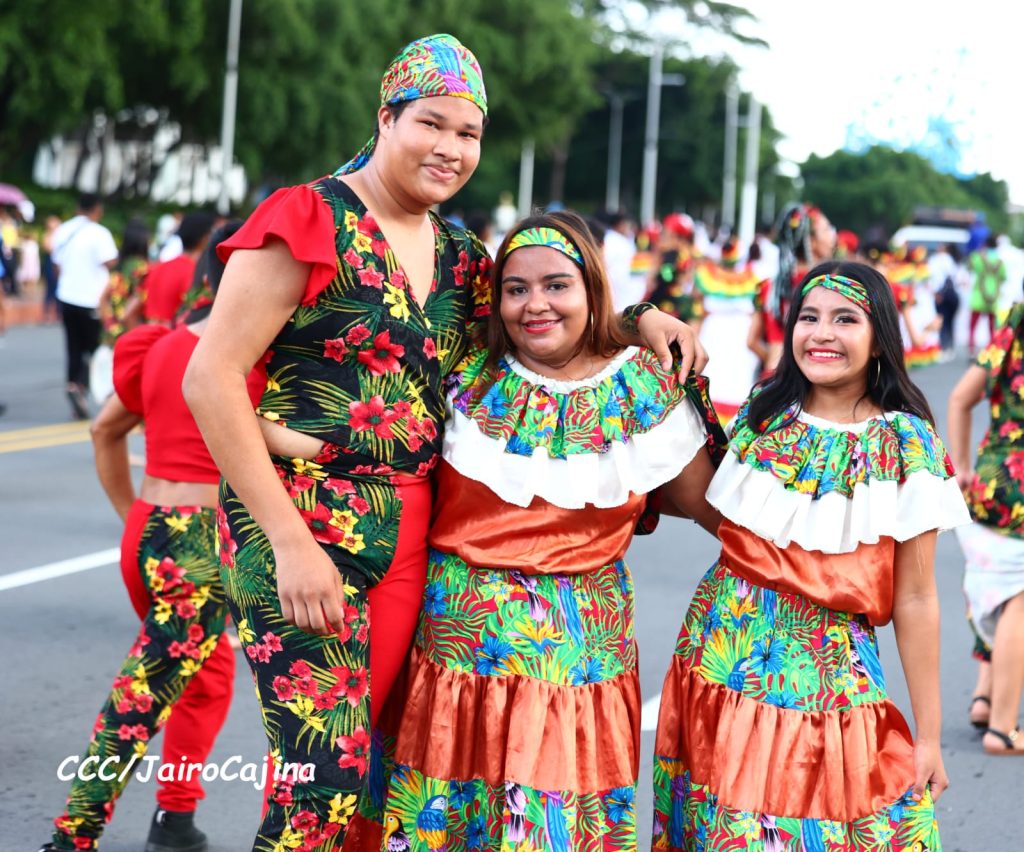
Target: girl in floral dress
994	544
775	730
520	722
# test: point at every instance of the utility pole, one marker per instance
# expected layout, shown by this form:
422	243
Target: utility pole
650	175
611	196
227	126
748	201
732	120
526	179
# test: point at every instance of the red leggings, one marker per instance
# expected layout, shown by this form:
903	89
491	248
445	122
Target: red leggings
200	712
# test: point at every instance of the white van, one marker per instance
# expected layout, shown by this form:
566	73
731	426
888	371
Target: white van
931	237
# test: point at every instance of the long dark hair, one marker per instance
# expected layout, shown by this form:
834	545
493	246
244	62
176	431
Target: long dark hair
889	387
211	267
602	334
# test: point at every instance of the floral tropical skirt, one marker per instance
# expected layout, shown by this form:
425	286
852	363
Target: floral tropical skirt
775	732
521	719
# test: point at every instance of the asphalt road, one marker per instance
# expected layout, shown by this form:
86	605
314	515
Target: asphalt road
62	639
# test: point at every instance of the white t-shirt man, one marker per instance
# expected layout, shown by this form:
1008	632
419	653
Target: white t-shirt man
82	249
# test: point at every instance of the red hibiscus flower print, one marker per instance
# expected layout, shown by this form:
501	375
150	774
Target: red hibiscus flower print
364	416
355	750
353	259
429	347
339	486
324	701
352	684
402	408
370	277
358	504
383	356
319	523
459	270
351	616
284	688
357	335
300	668
335	349
196	633
306	686
305	821
1015	465
272	642
143	702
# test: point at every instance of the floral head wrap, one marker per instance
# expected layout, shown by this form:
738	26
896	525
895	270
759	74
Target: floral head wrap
426	68
550	237
848	288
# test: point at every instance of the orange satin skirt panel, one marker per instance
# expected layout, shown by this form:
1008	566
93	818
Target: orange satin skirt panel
471	522
831	765
859	582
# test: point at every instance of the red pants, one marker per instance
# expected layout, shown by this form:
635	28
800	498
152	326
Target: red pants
200	712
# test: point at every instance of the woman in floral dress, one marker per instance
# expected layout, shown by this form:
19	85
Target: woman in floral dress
994	544
360	300
519	726
775	730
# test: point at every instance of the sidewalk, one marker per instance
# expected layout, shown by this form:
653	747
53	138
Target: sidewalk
22	310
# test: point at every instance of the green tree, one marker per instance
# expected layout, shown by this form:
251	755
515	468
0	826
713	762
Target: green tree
882	186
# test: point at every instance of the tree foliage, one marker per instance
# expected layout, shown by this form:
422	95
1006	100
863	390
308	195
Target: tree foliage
882	186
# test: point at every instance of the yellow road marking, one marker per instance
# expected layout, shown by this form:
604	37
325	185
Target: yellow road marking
37	437
44	441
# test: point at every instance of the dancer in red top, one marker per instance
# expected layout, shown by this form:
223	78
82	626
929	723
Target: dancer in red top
164	288
180	658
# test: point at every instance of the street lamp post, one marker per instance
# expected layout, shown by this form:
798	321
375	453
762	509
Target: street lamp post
732	120
650	176
227	126
616	103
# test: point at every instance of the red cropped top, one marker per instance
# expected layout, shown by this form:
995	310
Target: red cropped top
149	364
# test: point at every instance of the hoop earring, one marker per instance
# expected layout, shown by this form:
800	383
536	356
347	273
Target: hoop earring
878	372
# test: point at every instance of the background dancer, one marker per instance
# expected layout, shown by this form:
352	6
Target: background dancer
169	563
994	544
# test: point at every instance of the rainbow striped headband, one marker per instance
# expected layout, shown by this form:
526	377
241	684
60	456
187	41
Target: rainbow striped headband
845	287
549	237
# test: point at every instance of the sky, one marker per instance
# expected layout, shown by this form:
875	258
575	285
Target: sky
885	67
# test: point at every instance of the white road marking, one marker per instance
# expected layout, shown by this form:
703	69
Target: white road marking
649	713
59	569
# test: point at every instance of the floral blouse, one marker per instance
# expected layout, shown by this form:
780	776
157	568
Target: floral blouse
996	496
360	364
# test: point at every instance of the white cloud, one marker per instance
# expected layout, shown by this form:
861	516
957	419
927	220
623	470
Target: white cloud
887	65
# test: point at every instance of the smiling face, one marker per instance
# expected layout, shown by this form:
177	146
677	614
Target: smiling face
544	309
431	150
833	341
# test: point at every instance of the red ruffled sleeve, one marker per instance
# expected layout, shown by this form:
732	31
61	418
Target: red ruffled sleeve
129	354
301	218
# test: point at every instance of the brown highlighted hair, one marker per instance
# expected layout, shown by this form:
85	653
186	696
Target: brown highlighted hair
603	335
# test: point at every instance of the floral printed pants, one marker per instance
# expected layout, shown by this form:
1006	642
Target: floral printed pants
314	691
174	550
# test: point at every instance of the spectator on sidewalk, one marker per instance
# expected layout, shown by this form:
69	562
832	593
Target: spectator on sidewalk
83	253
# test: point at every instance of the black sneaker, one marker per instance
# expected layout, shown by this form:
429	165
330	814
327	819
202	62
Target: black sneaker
172	831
